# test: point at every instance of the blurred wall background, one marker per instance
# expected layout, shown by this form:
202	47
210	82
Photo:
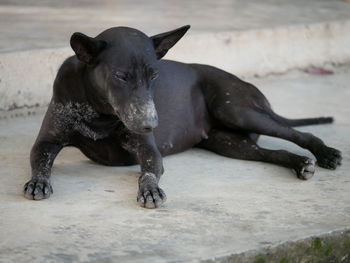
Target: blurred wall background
248	38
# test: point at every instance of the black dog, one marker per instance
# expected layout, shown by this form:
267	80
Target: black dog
109	98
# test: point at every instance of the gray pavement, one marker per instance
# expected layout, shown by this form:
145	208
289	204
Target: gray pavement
216	206
35	24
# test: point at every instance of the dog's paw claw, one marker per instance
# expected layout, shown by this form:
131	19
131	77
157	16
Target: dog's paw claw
151	198
306	169
37	189
329	158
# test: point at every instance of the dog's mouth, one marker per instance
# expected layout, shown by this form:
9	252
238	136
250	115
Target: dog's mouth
116	112
137	124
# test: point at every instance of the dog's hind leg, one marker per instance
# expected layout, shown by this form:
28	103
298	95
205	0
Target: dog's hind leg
242	146
260	121
238	105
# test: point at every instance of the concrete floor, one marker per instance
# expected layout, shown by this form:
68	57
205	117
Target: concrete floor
238	206
49	24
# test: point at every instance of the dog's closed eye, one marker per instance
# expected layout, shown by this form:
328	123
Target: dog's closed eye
154	76
121	76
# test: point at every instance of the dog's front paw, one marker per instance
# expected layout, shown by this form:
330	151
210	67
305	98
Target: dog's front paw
305	169
150	195
328	157
38	188
151	198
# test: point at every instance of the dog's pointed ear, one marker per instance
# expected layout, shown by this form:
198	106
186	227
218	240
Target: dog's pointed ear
163	42
86	48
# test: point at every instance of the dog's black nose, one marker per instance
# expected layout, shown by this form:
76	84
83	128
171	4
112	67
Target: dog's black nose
147	129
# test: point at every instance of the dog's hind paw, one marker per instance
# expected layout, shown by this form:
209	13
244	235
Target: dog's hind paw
328	158
306	169
38	188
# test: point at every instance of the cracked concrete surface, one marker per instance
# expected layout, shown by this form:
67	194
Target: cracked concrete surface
216	206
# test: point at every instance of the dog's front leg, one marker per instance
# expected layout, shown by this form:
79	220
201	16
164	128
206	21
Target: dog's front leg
42	157
150	195
44	151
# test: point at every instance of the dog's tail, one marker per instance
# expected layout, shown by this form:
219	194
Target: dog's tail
301	122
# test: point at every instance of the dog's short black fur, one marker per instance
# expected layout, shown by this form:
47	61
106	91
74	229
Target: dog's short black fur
109	98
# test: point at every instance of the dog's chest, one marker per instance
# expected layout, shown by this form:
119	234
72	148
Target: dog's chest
82	118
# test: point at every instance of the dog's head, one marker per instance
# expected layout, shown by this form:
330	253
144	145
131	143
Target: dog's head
122	66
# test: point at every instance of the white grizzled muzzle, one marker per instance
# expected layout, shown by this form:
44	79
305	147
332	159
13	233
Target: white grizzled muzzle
139	116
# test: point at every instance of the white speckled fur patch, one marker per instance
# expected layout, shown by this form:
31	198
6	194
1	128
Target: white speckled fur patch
73	116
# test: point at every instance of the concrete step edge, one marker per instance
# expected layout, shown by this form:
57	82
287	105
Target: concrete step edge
26	77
